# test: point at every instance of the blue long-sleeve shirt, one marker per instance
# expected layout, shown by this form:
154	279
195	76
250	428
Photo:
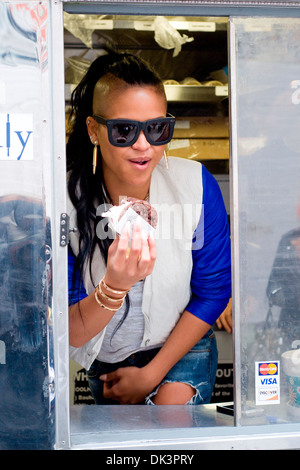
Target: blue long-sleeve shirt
211	273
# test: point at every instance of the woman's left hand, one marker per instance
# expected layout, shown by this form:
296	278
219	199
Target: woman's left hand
127	385
225	319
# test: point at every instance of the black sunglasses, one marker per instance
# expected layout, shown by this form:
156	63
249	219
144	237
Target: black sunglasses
125	132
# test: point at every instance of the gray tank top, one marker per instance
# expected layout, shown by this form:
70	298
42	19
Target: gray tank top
117	345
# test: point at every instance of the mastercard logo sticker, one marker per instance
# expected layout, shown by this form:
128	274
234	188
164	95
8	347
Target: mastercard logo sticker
267	368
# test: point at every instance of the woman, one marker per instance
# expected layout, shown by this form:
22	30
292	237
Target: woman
133	322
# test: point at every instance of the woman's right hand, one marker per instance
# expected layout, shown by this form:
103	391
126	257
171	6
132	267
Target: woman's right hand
129	261
124	268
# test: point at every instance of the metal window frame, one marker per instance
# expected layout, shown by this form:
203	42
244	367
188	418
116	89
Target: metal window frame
60	274
186	7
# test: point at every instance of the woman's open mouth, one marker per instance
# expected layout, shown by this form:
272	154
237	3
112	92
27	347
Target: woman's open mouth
141	163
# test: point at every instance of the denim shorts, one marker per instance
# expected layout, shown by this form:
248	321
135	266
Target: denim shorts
197	368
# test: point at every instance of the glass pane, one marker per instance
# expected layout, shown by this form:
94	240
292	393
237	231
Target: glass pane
266	183
26	356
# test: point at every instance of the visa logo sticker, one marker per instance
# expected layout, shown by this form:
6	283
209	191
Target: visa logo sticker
16	136
267	382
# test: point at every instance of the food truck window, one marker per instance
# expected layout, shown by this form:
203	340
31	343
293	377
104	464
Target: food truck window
246	155
247	136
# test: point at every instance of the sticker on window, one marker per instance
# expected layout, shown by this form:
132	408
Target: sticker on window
16	136
267	382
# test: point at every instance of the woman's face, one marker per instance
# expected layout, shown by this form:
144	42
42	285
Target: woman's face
128	168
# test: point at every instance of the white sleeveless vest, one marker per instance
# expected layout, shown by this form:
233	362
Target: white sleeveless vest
176	193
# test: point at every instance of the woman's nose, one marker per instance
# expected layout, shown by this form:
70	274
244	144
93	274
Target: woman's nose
141	142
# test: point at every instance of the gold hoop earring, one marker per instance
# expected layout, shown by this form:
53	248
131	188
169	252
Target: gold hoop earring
95	156
166	160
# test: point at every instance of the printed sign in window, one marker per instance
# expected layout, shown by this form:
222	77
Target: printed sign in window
16	136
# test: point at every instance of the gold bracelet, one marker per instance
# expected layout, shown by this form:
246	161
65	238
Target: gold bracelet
101	296
117	292
121	301
104	306
111	299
